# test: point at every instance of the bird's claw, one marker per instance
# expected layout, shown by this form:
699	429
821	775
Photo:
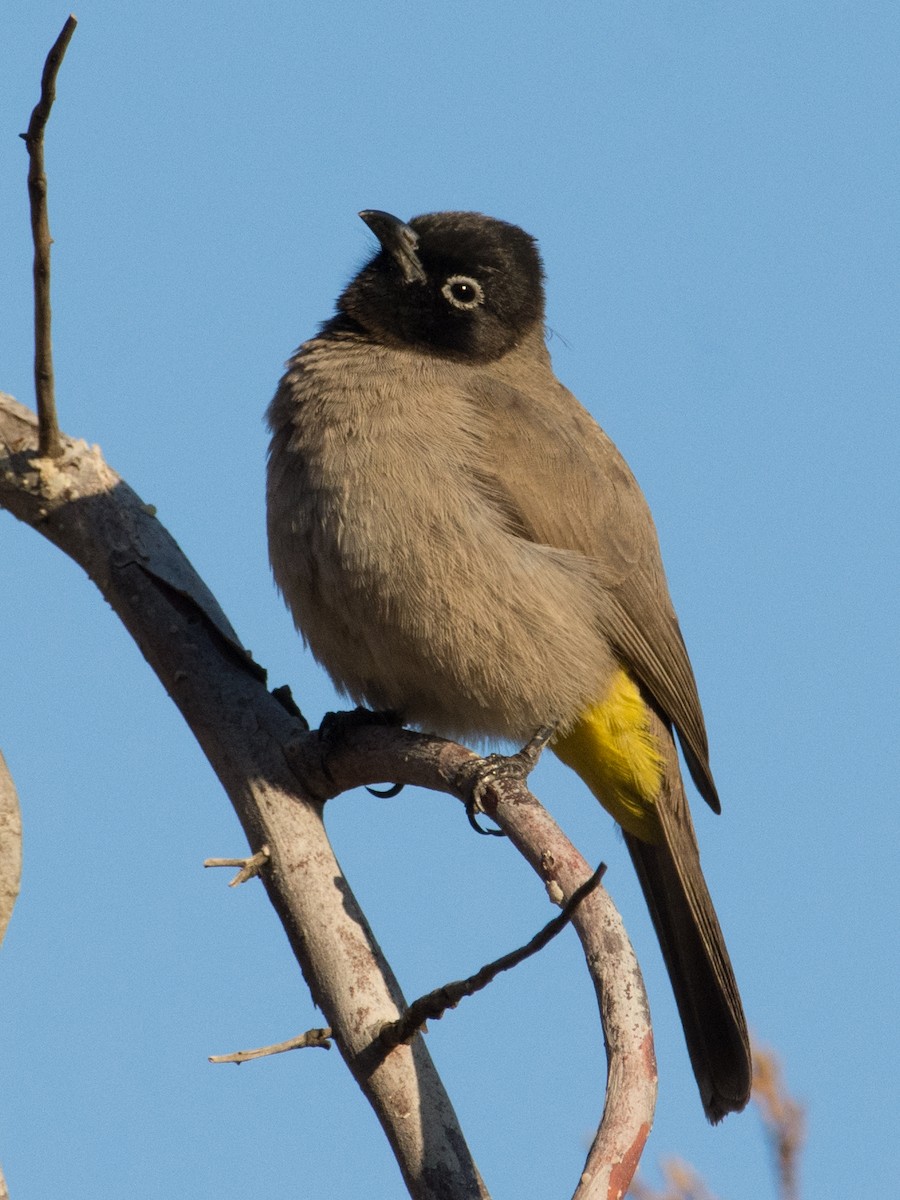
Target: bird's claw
496	767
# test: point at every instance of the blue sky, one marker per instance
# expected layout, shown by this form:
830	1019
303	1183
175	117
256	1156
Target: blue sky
714	188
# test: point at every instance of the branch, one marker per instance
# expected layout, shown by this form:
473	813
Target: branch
50	445
318	1038
430	1007
682	1183
250	867
85	509
279	776
370	753
10	865
10	846
433	1005
783	1118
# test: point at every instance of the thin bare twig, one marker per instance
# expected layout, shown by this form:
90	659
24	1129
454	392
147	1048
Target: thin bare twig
682	1183
783	1118
313	1038
49	441
250	867
432	1006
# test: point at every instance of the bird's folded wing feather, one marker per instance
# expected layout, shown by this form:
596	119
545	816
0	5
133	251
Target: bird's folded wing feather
559	481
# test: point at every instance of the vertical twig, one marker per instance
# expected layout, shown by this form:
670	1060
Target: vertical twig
783	1118
49	443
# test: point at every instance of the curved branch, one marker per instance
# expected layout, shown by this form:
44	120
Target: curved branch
85	509
368	754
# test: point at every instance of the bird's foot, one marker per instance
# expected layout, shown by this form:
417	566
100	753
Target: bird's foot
335	724
497	767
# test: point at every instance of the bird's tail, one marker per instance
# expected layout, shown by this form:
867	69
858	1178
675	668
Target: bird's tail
625	752
693	947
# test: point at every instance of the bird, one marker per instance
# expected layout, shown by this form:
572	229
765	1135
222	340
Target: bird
461	544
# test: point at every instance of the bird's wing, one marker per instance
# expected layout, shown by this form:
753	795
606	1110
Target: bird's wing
559	481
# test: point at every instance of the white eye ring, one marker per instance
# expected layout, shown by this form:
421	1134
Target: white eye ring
462	291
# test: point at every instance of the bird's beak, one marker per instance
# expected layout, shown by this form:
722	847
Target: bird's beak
399	241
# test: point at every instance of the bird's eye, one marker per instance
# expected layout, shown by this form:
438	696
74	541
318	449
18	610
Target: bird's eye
463	291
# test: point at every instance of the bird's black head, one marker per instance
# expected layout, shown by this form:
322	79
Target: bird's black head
455	283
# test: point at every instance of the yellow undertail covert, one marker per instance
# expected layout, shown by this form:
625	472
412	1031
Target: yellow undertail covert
612	749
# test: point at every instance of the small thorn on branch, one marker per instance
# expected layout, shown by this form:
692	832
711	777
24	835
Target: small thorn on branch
313	1038
432	1006
250	867
49	443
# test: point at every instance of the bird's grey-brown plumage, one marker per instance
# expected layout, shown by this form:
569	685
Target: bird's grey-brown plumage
461	543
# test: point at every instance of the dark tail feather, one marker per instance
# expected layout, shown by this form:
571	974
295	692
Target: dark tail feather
694	951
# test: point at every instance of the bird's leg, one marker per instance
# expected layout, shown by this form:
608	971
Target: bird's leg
533	749
505	766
